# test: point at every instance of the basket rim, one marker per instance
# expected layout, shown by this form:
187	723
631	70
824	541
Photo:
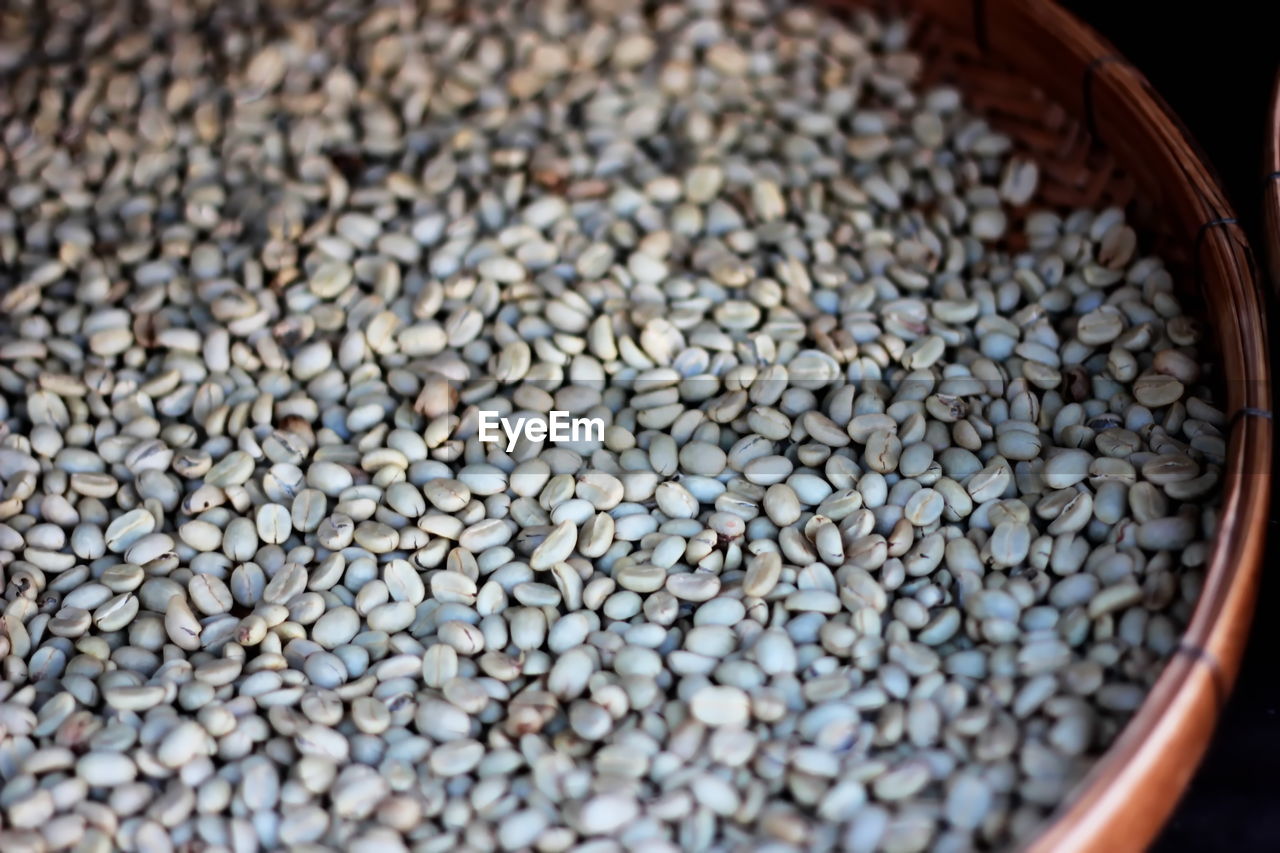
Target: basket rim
1128	793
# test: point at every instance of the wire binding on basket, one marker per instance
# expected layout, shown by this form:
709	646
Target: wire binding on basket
1212	223
1200	655
1198	242
1248	412
980	24
1090	71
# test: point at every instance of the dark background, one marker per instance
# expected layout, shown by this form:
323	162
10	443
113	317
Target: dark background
1216	65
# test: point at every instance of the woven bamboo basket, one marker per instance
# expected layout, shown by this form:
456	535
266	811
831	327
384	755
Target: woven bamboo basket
1102	136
